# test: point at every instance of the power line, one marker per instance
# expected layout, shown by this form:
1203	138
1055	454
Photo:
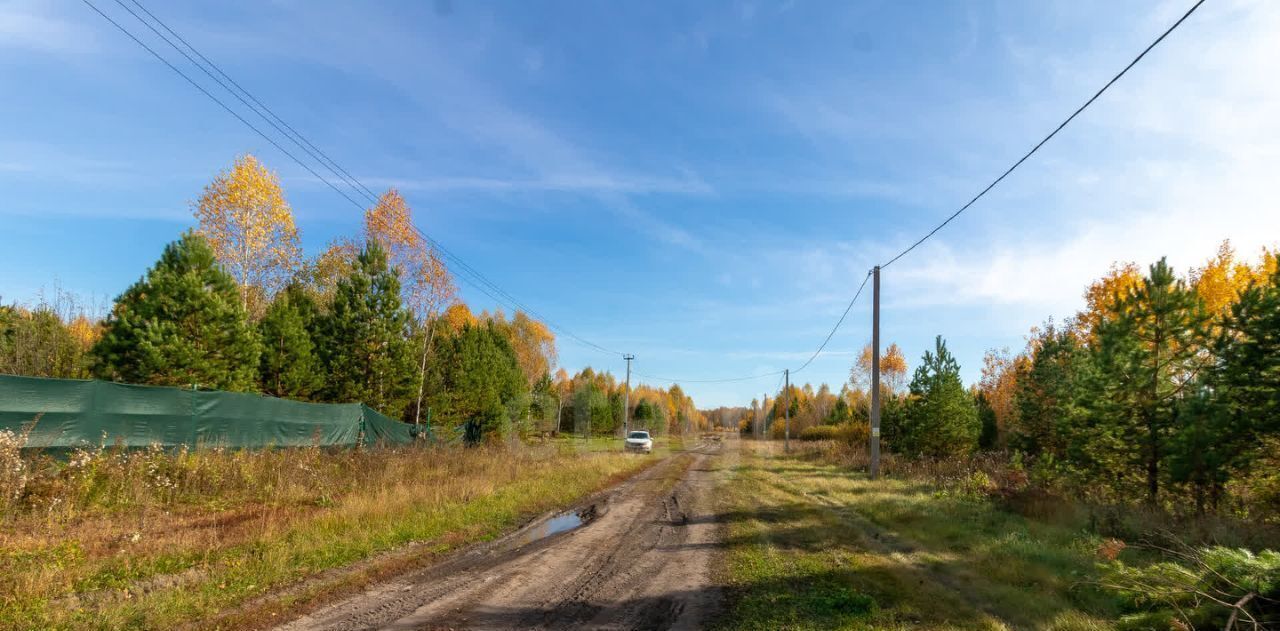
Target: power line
468	274
999	179
308	148
726	380
1002	176
217	100
837	326
1051	134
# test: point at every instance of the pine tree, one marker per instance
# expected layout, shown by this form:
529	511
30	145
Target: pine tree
473	379
1147	355
1236	405
290	366
365	343
1249	348
182	324
941	418
1045	390
986	416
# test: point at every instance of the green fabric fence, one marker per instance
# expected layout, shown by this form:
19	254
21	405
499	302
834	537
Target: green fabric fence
68	413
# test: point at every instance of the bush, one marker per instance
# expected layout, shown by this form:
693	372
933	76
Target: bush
850	433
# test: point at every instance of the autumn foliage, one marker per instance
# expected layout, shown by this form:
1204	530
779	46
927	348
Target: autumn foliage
244	217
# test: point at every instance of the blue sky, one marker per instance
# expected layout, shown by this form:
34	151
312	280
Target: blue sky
701	184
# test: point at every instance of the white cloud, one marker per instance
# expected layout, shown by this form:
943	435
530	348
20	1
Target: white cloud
1180	156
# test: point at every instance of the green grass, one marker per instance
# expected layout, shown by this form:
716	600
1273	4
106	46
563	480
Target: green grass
814	546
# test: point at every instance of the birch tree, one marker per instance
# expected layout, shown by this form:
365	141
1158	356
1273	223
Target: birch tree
244	217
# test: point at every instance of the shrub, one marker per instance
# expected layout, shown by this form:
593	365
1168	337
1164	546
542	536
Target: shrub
850	433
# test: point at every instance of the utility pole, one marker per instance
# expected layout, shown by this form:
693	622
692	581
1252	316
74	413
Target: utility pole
875	372
626	405
786	411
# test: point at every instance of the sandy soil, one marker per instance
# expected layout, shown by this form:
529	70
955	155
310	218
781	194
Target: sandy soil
641	560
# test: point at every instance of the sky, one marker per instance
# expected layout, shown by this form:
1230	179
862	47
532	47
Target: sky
704	185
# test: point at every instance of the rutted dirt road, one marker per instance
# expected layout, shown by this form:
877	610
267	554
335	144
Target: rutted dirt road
641	560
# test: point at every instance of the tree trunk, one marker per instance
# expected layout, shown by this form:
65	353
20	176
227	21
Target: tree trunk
422	375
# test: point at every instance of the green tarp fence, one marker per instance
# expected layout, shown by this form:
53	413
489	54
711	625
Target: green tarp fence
64	414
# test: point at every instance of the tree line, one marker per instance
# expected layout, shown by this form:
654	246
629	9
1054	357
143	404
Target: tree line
233	305
1163	390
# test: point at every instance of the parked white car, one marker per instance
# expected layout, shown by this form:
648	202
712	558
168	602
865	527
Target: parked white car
639	441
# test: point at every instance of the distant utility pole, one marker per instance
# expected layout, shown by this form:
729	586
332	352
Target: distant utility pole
786	410
626	405
875	372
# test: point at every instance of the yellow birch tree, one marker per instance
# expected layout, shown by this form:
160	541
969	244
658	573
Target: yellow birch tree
246	220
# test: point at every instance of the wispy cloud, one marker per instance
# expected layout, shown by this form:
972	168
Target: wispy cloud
564	183
1196	167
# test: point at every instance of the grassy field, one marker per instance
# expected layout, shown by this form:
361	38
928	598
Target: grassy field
815	546
233	539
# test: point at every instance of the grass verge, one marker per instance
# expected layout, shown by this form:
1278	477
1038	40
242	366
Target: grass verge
235	539
815	546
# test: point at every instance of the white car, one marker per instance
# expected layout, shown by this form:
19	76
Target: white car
639	441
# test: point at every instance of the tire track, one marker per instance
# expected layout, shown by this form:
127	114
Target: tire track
643	562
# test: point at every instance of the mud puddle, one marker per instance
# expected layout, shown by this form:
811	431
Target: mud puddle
564	522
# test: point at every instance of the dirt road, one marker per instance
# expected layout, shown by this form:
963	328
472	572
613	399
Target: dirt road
640	560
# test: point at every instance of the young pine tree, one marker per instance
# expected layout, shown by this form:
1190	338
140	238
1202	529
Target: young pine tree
473	378
365	341
1044	392
290	366
1225	425
941	418
1148	354
182	324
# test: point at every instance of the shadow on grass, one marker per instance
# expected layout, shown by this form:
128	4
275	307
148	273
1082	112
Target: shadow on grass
943	582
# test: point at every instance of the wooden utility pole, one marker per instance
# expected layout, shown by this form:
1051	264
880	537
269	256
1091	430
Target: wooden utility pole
626	405
786	411
875	372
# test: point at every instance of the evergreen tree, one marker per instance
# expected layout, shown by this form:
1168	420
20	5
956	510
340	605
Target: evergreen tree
1237	405
473	379
1147	356
650	416
365	346
841	412
1045	391
182	324
941	418
987	417
1249	348
1205	448
290	366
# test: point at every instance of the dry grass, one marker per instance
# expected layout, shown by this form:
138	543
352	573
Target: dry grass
143	539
